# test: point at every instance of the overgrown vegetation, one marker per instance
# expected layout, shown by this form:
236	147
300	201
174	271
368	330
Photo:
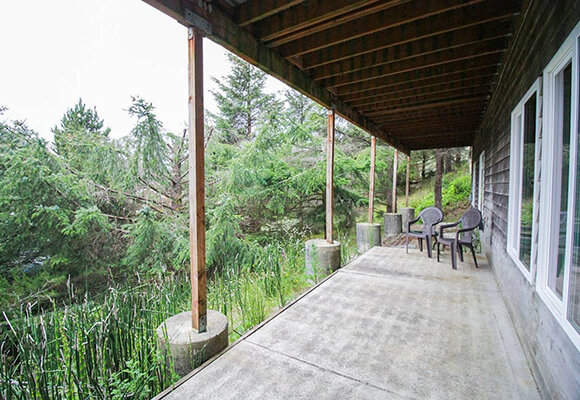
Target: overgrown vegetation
94	246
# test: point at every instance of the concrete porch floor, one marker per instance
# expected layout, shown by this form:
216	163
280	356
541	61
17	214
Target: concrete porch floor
387	326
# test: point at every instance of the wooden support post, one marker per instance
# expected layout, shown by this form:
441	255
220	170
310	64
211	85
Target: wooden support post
196	183
395	166
372	179
407	186
330	176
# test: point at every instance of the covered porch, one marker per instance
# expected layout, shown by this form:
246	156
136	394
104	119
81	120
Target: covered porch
387	325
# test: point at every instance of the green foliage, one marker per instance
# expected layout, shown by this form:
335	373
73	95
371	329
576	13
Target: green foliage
98	210
241	101
455	193
104	350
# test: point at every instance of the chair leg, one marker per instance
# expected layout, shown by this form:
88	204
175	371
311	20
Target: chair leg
453	255
429	251
438	251
460	252
420	240
474	259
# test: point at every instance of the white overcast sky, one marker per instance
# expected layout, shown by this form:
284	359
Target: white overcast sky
104	51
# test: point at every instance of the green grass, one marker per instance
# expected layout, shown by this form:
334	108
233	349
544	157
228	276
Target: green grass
108	349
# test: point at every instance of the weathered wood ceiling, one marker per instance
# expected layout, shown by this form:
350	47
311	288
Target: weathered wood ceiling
415	73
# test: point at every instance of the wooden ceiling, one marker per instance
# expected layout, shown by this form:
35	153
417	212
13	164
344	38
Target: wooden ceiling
416	73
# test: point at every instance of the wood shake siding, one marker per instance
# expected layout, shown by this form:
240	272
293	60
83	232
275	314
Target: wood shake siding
540	31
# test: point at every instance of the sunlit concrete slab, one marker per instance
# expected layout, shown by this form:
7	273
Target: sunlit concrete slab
388	326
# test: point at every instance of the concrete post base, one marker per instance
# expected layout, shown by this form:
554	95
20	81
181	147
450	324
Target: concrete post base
321	257
393	224
189	348
407	214
367	236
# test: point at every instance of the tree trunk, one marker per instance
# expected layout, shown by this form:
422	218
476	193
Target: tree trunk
423	165
458	159
439	155
448	161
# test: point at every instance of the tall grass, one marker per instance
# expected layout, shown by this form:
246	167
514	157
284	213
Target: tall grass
108	349
90	350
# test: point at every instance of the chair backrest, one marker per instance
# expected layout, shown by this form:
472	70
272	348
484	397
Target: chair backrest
430	216
470	220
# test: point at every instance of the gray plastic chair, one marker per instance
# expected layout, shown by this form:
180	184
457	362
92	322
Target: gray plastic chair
430	217
463	237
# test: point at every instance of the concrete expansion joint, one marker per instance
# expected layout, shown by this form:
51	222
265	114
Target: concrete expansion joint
332	371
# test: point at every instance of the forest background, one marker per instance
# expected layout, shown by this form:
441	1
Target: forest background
94	244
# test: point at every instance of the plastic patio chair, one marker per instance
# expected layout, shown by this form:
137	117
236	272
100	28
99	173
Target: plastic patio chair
430	217
463	237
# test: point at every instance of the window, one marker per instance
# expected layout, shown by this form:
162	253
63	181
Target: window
559	243
523	175
481	175
473	183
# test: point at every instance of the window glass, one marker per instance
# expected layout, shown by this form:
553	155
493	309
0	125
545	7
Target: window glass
527	180
574	296
563	97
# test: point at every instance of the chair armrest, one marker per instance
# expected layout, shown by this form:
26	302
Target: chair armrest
409	223
460	231
445	226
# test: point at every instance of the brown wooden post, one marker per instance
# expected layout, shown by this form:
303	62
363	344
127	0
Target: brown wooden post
395	166
407	186
372	179
330	176
196	183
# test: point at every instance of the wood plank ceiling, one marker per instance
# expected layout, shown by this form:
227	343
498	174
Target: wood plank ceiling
416	73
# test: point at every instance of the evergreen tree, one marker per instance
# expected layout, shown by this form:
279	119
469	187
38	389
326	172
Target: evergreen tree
241	101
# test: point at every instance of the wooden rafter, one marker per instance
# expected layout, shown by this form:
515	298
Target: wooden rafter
377	108
377	22
438	81
431	46
253	11
490	11
422	73
483	49
319	15
440	89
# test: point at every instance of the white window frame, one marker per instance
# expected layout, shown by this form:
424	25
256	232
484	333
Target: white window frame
551	177
515	184
481	183
473	182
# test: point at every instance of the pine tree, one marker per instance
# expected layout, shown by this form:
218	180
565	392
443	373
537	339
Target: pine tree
241	101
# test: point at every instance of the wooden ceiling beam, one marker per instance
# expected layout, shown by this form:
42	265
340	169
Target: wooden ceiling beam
406	77
448	79
454	141
315	16
421	121
437	114
482	49
435	127
476	99
420	100
441	88
250	11
486	12
422	47
396	16
410	137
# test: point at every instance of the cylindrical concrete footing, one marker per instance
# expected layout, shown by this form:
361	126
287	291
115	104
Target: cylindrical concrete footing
393	224
187	347
321	257
367	236
407	214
